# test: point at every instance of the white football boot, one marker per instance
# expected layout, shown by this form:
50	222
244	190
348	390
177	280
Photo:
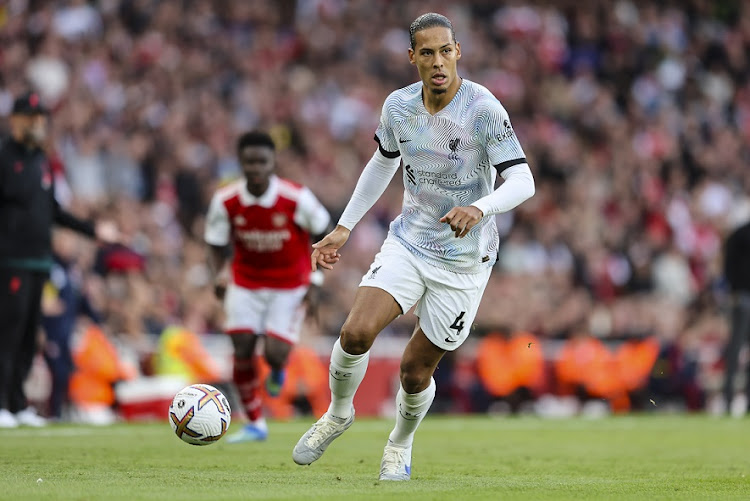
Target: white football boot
314	443
396	464
29	417
7	419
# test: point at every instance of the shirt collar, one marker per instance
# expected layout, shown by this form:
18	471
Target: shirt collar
266	200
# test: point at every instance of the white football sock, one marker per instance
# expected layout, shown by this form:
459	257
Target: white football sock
410	410
260	423
344	376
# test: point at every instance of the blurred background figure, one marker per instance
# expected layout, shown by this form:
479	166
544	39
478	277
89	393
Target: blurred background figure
181	353
98	368
259	231
28	211
64	301
510	370
587	369
737	273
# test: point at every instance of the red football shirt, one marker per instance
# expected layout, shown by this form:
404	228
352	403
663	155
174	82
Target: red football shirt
270	234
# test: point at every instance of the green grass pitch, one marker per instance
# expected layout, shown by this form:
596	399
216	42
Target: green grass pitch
650	457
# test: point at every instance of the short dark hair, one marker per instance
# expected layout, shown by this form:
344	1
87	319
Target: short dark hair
429	20
255	138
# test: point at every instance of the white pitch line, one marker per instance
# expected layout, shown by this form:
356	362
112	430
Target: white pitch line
65	432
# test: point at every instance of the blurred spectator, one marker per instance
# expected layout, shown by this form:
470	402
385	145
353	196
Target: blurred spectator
63	303
737	273
181	353
98	367
585	367
635	360
510	369
28	210
674	380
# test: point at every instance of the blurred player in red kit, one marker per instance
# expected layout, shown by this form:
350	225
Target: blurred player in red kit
269	223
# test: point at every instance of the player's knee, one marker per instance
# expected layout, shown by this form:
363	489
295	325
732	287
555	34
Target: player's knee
414	378
244	345
357	336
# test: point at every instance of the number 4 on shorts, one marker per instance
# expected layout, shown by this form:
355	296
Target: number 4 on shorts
458	324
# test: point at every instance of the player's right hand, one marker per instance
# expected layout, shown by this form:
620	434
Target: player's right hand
326	252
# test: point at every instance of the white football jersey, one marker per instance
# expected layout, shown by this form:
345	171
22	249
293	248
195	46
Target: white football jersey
450	159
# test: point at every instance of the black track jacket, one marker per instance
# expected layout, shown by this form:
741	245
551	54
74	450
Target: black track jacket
28	208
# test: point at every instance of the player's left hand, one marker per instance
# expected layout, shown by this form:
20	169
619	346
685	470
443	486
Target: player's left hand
462	219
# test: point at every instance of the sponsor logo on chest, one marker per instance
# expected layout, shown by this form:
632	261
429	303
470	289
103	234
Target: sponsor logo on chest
264	240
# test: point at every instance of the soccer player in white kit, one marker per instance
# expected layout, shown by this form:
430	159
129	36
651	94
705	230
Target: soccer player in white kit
453	137
268	221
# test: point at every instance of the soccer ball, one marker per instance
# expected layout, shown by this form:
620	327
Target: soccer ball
200	414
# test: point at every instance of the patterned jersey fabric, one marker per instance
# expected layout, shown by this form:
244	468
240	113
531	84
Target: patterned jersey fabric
449	159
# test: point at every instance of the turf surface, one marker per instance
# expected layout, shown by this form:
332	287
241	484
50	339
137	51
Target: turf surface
635	457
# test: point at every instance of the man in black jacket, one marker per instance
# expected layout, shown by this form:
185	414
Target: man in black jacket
737	274
28	210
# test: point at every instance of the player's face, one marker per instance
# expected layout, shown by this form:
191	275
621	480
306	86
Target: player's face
257	164
435	55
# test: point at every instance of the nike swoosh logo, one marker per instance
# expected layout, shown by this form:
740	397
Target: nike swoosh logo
449	340
404	140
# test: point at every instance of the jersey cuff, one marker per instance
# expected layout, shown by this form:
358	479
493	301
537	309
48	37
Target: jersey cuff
216	242
482	206
509	163
386	154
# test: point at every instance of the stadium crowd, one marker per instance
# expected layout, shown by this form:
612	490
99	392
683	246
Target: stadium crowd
634	115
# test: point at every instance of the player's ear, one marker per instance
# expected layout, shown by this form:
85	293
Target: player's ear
412	55
458	51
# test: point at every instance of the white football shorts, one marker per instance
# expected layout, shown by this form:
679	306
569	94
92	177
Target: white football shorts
447	302
273	312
